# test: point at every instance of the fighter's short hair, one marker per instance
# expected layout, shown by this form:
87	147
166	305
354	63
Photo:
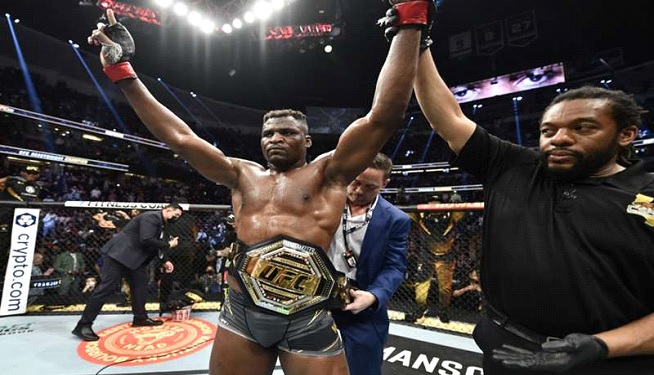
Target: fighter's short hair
285	113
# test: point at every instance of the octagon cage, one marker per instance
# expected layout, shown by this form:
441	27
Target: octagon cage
440	288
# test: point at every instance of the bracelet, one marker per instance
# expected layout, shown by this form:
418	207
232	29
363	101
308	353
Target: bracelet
120	71
412	13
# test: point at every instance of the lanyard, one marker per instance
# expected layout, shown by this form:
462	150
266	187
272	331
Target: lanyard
355	228
348	254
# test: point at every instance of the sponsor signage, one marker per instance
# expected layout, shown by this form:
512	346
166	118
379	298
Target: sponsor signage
130	10
16	329
121	205
58	158
298	31
403	356
19	267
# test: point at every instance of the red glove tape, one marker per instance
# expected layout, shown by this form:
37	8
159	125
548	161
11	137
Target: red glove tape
119	72
412	13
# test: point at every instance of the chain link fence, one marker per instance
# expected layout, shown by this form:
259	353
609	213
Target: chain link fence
440	289
67	261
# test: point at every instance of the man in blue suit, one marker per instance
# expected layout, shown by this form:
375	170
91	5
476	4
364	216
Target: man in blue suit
370	248
127	254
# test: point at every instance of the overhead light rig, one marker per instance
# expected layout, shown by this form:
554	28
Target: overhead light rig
207	16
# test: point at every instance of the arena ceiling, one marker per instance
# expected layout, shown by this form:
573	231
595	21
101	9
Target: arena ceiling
243	69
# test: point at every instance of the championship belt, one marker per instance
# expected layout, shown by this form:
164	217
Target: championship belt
286	276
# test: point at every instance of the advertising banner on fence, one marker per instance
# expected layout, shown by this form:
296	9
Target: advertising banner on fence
19	267
121	205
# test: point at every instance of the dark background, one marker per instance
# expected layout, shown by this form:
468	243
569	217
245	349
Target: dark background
274	75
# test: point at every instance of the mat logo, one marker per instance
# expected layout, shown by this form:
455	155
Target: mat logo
124	345
26	220
16	329
424	364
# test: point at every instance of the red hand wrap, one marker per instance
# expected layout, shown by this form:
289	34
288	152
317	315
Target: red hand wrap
412	13
119	72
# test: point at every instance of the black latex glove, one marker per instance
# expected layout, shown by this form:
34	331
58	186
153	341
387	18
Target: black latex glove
574	350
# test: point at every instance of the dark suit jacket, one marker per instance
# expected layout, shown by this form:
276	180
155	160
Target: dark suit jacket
380	270
138	242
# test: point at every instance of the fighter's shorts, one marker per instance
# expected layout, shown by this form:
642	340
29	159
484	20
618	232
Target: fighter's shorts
309	333
285	276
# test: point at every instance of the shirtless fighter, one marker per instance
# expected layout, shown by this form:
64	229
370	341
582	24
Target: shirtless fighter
281	282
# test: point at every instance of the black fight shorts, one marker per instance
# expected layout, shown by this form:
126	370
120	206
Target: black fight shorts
311	332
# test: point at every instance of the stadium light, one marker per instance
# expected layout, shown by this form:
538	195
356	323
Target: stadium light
92	137
180	9
194	18
249	17
237	23
164	3
227	28
207	26
262	9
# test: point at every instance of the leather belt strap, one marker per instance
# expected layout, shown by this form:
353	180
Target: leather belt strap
503	322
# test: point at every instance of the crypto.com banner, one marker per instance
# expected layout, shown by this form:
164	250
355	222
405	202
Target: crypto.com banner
19	267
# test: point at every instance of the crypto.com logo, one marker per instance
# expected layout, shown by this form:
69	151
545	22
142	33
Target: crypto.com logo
26	220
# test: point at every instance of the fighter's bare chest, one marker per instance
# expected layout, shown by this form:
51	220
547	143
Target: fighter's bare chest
281	191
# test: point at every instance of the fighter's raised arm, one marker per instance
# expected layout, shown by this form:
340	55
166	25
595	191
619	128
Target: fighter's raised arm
439	106
366	136
117	48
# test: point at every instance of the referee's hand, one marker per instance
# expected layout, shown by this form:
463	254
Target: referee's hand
574	350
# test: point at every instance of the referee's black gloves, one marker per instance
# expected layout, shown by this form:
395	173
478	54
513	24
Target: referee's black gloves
574	350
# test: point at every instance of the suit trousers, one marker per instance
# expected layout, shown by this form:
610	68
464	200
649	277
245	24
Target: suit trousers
363	342
110	280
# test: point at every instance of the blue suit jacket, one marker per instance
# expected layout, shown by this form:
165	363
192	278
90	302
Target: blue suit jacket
380	270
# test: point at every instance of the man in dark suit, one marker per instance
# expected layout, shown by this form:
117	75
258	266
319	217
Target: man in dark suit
370	248
127	254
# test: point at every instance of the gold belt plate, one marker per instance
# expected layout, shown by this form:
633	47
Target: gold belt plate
285	276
